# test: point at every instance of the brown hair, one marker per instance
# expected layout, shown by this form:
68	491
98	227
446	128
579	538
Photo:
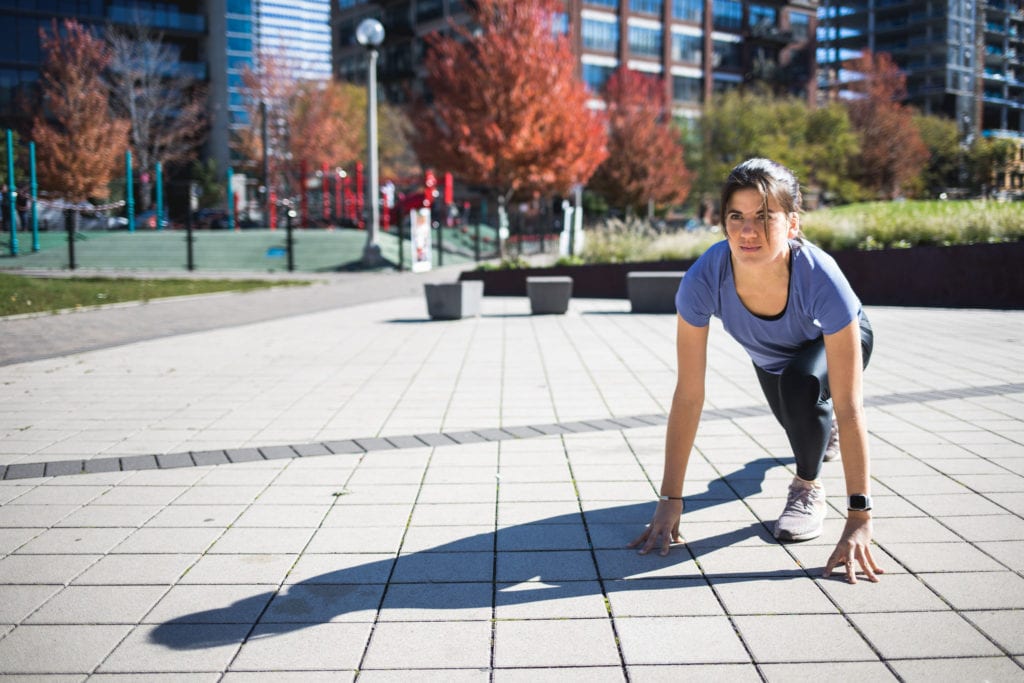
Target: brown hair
770	179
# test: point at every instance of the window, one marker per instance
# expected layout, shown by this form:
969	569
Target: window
688	10
687	48
687	89
600	35
727	14
239	44
426	10
762	16
239	26
800	24
611	4
646	6
240	7
727	55
645	41
596	76
560	24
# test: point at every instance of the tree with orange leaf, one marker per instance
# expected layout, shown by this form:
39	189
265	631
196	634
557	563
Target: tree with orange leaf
892	151
645	155
80	143
508	110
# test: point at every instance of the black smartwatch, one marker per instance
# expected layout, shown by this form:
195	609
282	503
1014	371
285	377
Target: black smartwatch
859	502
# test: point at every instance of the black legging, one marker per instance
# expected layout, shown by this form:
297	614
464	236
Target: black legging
802	403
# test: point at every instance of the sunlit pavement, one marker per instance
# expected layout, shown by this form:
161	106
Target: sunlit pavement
360	492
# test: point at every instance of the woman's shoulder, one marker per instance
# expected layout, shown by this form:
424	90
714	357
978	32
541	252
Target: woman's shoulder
813	258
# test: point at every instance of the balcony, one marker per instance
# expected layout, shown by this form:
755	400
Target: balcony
169	20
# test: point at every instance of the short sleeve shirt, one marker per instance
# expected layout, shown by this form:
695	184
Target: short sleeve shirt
820	301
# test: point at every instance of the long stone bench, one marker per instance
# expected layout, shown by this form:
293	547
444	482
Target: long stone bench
653	291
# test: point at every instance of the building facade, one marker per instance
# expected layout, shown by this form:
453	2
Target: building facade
214	41
963	59
698	47
298	30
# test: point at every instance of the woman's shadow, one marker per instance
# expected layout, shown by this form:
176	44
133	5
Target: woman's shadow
442	577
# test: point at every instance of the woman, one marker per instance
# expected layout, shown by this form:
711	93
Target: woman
788	304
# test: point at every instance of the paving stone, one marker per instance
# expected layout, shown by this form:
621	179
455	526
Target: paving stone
204	458
102	465
444	567
437	602
247	569
43	569
1003	626
342	568
555	643
923	634
465	437
989	590
171	460
493	434
436	439
705	640
374	444
522	432
62	468
30	649
24	471
539	600
18	602
712	673
139	462
98	605
840	671
960	669
941	557
278	452
405	442
174	647
309	450
323	603
243	455
546	566
203	604
116	570
766	595
421	644
784	638
75	541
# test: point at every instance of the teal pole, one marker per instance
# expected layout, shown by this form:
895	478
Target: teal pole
159	196
11	192
34	187
231	199
129	192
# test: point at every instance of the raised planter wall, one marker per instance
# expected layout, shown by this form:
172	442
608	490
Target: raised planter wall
967	276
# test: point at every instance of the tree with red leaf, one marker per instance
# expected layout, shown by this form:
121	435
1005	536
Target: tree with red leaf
509	111
645	155
80	144
892	151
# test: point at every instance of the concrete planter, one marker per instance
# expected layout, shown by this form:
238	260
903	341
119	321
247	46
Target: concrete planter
454	300
653	292
549	294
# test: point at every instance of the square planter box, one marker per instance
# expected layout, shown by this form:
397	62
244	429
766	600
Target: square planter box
549	294
653	291
454	300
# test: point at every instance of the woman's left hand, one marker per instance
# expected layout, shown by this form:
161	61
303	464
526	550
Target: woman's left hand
854	548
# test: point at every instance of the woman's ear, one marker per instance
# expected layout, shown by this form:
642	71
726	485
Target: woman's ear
794	225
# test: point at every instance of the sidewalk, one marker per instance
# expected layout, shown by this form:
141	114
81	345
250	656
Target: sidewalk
354	491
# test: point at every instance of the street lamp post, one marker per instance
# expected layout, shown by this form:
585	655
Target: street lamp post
370	34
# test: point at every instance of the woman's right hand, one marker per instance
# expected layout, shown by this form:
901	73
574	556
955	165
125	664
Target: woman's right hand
664	526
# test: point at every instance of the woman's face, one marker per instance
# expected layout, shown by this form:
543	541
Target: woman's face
754	237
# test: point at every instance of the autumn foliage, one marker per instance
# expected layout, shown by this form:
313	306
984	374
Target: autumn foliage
892	151
645	161
508	110
83	145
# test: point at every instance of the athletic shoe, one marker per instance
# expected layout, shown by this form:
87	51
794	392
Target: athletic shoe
832	449
804	515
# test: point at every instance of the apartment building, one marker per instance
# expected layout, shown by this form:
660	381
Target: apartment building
698	47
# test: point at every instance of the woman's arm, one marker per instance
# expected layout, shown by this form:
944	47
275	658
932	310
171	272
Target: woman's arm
845	379
683	418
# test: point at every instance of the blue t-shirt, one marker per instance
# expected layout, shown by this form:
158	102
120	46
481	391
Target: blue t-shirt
820	301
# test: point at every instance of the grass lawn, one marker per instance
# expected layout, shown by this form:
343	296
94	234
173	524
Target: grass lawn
21	294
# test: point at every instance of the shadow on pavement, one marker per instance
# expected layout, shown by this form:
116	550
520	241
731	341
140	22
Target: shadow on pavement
530	568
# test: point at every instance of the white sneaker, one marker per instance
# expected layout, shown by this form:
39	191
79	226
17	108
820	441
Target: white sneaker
804	515
832	449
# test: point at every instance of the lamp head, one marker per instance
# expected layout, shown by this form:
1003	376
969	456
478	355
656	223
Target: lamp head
370	33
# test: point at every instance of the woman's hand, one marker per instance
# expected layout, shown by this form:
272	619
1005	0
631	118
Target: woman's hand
854	548
664	525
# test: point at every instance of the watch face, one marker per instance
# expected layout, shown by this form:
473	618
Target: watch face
859	501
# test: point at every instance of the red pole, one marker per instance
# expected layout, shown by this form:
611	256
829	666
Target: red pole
360	202
337	197
273	210
350	202
303	198
325	196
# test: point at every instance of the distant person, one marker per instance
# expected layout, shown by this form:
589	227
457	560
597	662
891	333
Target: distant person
791	308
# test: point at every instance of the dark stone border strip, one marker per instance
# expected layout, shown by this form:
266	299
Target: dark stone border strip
349	446
59	468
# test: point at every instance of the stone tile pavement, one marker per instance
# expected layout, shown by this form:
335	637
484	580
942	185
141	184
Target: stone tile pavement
361	493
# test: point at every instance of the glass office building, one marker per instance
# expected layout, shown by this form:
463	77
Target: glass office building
300	31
